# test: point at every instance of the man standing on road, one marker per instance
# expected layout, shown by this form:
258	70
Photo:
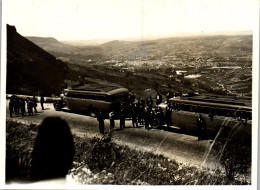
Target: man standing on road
34	104
168	112
134	116
42	102
122	118
11	107
150	102
22	106
147	112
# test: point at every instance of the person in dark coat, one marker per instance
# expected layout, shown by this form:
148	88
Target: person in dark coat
35	104
30	106
122	118
134	116
100	119
16	105
42	102
147	115
22	106
168	113
11	107
150	102
201	127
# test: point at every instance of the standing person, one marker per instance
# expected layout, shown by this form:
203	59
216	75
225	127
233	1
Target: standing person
134	116
16	105
22	106
112	120
147	117
150	102
100	119
158	98
29	106
11	107
168	112
122	118
168	96
201	127
35	104
42	102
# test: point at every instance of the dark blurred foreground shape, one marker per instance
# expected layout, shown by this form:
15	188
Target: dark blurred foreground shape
53	151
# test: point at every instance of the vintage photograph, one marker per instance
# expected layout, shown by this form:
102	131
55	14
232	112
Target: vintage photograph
130	92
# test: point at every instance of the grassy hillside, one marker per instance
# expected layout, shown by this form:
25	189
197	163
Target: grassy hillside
30	69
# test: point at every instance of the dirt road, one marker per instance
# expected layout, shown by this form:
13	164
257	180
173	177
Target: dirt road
181	147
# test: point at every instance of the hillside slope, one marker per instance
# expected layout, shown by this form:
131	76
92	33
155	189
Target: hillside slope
69	53
30	69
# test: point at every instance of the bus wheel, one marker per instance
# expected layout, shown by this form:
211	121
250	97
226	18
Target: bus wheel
155	123
57	106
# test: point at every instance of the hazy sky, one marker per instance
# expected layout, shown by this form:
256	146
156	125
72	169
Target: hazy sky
115	19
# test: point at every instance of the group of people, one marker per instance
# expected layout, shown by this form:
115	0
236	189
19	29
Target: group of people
140	111
147	114
18	105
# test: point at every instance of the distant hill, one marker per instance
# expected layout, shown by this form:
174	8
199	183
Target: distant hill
30	69
94	42
69	53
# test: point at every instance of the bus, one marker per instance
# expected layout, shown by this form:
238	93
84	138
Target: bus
93	99
228	113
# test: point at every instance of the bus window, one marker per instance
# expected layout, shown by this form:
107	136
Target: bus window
244	114
203	109
193	108
224	112
185	107
90	96
100	97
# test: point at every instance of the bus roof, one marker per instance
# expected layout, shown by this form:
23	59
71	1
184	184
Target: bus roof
214	101
97	89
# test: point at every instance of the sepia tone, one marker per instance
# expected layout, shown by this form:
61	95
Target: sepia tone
165	110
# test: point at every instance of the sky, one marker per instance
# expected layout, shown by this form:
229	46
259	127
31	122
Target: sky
117	19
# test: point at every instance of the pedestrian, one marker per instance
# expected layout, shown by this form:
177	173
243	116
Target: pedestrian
168	112
35	104
201	125
168	96
112	120
159	115
22	106
42	102
11	107
16	105
30	106
134	116
132	97
100	119
122	118
147	117
150	102
158	98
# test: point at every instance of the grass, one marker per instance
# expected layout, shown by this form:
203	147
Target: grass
99	160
